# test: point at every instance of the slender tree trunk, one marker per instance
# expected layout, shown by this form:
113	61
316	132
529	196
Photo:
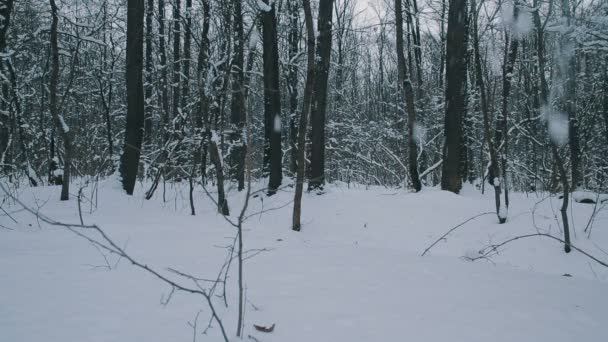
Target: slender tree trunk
569	76
494	171
187	55
544	96
177	117
202	118
308	90
163	71
408	94
6	8
319	102
237	117
272	101
605	107
62	128
442	42
292	82
455	96
148	121
503	138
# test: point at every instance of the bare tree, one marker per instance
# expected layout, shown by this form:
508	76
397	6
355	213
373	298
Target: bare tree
408	94
308	90
60	123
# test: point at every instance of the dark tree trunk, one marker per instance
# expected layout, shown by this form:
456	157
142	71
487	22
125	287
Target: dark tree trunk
569	100
455	95
148	115
605	107
6	9
503	137
408	94
202	121
176	64
544	97
62	128
442	42
163	71
187	55
272	101
237	115
319	101
292	82
129	161
308	91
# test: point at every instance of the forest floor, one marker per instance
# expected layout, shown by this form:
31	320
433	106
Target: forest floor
354	272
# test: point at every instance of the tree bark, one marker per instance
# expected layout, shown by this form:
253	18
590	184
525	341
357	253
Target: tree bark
272	101
319	102
503	136
148	121
62	128
163	72
494	169
543	102
455	76
408	94
6	9
292	82
177	118
129	161
237	116
308	90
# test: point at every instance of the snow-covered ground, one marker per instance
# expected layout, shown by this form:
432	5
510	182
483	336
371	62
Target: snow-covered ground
354	272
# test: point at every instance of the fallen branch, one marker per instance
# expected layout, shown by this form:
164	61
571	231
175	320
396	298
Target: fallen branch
485	252
453	229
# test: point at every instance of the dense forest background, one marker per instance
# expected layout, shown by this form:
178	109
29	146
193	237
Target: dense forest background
508	93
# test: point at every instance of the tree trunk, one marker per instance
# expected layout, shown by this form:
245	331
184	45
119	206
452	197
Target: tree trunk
62	128
5	123
272	101
129	161
408	94
308	90
569	76
292	82
543	102
148	115
163	71
201	119
503	138
455	76
177	118
319	102
237	117
494	166
187	55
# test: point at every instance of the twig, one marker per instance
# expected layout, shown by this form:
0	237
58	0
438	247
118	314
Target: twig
451	230
493	248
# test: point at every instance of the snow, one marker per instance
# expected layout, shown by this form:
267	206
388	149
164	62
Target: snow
64	126
589	197
354	273
419	133
254	39
277	124
557	125
523	25
264	7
